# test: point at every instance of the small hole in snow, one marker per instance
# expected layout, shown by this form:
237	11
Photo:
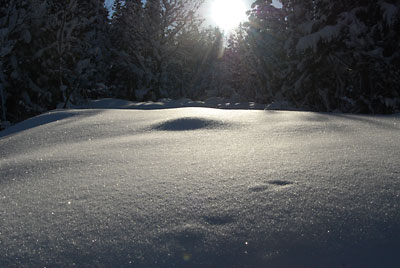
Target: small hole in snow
280	182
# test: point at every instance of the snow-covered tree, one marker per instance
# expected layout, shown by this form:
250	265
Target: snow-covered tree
129	72
165	19
17	20
328	55
147	43
72	49
308	46
339	61
196	65
371	56
95	55
266	35
241	66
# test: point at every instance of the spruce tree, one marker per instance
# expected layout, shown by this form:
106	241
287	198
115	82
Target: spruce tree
18	91
164	21
267	33
128	73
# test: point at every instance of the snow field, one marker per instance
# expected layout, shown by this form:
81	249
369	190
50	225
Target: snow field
200	187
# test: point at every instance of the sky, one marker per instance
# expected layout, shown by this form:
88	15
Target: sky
206	9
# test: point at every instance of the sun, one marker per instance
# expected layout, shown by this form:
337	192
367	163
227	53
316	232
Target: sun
228	14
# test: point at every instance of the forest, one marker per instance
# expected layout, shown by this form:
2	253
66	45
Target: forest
315	55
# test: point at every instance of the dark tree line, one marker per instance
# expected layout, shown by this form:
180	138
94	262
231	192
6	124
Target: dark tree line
320	55
311	54
53	53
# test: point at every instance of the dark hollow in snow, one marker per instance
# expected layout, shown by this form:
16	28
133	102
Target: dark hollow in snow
258	188
280	183
185	237
219	219
189	123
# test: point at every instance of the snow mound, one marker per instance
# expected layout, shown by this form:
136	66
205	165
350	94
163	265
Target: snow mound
43	119
280	106
190	123
247	189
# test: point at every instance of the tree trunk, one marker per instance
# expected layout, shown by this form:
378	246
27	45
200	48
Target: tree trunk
3	108
159	84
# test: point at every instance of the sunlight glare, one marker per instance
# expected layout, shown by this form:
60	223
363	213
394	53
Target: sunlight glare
228	14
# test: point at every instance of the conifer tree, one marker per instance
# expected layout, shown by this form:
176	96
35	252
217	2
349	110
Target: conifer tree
164	21
129	72
242	65
72	49
198	62
338	57
16	82
267	33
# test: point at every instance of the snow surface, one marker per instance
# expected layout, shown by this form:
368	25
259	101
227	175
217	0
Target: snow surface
200	187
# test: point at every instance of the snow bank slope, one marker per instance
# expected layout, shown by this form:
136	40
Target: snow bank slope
199	187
